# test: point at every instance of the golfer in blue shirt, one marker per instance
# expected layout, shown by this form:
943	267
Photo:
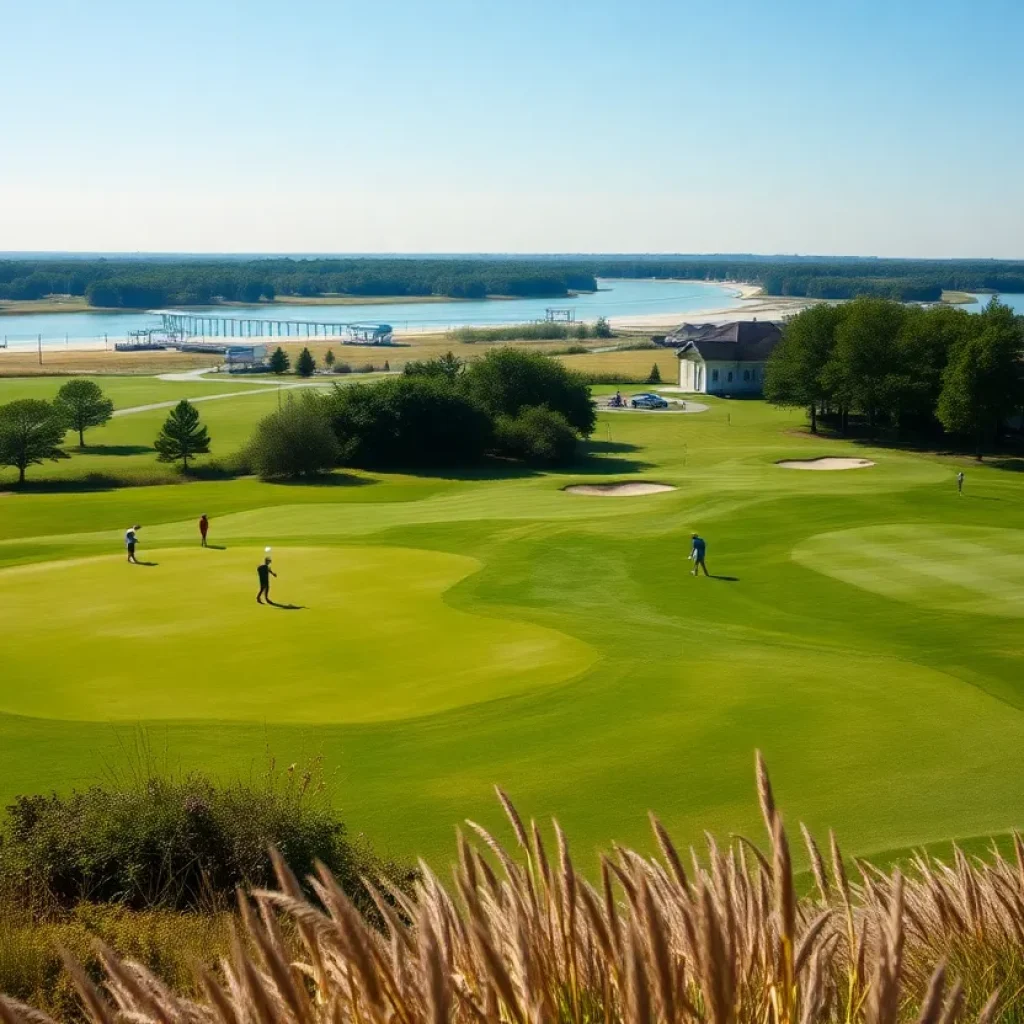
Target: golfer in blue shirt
697	554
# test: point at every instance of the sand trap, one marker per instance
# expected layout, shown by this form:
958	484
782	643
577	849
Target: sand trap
826	463
618	490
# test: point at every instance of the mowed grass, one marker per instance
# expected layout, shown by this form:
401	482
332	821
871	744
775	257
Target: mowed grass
462	630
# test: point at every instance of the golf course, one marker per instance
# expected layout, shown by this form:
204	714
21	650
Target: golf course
435	634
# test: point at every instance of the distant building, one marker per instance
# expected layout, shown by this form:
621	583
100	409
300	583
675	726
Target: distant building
724	359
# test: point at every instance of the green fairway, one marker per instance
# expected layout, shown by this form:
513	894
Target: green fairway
460	630
367	612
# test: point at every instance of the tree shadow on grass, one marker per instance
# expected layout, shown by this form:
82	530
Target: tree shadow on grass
114	449
325	480
80	485
606	457
1010	465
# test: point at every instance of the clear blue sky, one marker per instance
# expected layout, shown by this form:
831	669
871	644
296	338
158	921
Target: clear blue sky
887	127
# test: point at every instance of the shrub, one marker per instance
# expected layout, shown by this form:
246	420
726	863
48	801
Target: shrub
537	435
296	440
602	329
305	365
178	843
508	380
342	367
408	422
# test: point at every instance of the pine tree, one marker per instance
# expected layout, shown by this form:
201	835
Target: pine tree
329	358
182	437
654	377
279	361
81	404
305	364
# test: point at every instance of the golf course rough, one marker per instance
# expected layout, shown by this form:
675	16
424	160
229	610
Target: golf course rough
461	630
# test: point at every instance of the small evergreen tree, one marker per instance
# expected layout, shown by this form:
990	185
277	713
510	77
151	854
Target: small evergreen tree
81	404
387	366
279	361
329	358
182	437
602	329
305	364
30	431
654	377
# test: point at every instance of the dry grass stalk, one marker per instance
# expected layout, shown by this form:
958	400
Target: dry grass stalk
529	943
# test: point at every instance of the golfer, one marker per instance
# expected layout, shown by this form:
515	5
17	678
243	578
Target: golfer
960	483
697	554
204	526
130	540
264	572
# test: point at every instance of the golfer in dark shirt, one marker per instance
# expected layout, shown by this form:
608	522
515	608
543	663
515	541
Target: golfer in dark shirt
264	572
697	554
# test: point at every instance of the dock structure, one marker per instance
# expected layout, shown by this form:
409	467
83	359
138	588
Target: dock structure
184	324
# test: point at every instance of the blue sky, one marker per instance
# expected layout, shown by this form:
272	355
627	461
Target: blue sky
869	127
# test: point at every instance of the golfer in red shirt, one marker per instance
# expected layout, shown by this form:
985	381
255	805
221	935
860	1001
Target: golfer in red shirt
204	525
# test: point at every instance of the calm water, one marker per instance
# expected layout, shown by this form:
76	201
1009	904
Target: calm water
1015	302
614	299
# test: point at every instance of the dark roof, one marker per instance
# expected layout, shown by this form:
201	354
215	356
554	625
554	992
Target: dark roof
744	341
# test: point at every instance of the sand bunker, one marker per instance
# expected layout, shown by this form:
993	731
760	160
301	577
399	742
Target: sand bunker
618	490
826	463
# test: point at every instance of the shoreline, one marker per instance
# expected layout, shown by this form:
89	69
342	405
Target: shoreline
753	305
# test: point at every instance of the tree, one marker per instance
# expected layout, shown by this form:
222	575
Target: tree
295	441
654	377
794	374
329	358
81	404
602	329
30	432
981	385
279	361
182	437
305	365
537	435
408	422
447	367
509	379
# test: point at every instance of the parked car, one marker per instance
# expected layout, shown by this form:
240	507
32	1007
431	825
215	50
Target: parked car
648	401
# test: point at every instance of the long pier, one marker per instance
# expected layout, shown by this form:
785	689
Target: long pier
185	324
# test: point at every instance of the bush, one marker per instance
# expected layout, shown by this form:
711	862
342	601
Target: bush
342	367
408	422
509	380
295	441
178	843
602	329
537	435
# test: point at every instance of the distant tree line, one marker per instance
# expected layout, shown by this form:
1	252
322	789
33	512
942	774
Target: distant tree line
903	368
150	282
141	284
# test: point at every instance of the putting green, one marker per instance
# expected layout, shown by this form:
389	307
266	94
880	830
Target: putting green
963	569
356	635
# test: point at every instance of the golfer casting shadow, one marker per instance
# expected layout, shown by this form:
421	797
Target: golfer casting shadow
264	572
697	553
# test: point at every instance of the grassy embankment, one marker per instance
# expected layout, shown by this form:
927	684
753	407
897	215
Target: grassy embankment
460	629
